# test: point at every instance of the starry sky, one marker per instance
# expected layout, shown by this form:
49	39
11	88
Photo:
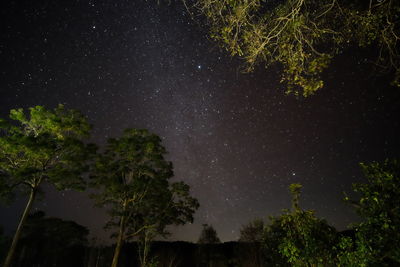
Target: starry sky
235	138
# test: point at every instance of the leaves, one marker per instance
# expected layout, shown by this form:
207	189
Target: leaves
43	145
379	207
299	236
133	178
303	36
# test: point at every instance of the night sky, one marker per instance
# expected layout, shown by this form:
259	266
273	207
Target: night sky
235	138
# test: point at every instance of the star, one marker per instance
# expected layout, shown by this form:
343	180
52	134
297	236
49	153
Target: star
229	135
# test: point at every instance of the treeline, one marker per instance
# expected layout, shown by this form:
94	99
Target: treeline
178	254
49	241
132	179
295	238
53	242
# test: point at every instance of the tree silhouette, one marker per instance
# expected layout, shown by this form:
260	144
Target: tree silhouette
133	178
208	235
252	232
3	243
52	241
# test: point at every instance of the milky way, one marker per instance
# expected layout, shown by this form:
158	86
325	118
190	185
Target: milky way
235	138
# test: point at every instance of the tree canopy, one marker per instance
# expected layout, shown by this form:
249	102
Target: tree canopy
134	181
298	237
44	145
379	207
303	36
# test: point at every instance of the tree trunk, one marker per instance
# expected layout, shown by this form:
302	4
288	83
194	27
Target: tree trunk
145	250
17	234
120	241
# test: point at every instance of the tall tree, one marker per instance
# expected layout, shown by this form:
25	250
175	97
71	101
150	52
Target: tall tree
41	146
133	179
304	35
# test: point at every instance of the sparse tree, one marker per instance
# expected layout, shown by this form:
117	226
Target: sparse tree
133	179
42	146
252	232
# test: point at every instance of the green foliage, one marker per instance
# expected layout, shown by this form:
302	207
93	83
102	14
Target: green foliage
43	145
378	24
208	235
134	181
303	35
295	190
58	122
379	206
299	238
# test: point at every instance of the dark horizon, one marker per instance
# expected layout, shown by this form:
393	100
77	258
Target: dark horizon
235	138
